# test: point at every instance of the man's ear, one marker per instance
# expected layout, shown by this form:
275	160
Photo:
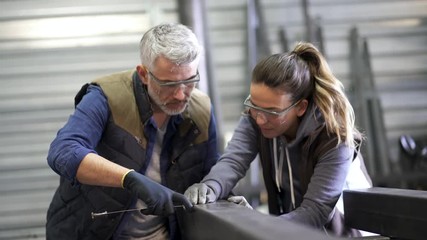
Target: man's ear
142	73
301	107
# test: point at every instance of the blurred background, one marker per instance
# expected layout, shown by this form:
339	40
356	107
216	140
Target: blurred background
49	49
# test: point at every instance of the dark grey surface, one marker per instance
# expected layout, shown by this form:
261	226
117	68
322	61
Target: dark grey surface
225	220
397	213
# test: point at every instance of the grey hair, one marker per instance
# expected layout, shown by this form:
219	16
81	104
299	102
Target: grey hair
174	41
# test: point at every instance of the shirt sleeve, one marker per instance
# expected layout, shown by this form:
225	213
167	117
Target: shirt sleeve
80	134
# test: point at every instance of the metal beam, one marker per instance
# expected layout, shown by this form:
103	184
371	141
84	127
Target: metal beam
193	13
367	106
226	220
397	213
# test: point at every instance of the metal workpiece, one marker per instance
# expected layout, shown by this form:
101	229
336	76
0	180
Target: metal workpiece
226	220
392	212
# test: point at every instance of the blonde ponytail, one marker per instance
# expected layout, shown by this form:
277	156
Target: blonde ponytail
329	95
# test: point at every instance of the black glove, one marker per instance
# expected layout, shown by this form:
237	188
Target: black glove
160	200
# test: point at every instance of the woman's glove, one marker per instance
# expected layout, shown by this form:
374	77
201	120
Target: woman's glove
200	193
160	200
239	200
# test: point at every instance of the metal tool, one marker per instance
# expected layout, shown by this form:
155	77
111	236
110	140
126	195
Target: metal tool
95	215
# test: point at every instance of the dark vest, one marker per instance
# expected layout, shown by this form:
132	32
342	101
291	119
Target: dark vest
124	142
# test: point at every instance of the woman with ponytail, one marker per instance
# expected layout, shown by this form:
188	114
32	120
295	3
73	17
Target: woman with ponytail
300	122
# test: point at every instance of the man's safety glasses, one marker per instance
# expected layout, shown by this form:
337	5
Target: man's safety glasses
174	85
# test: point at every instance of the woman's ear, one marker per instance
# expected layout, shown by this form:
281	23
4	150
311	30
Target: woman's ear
142	73
301	107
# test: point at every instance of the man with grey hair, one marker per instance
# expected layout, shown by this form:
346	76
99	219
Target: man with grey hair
136	140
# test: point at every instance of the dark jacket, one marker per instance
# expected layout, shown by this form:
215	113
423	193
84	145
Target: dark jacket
124	142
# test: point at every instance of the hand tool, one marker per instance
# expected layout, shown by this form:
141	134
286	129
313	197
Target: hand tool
95	215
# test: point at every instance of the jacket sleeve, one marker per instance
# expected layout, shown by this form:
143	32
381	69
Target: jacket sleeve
80	134
241	150
324	189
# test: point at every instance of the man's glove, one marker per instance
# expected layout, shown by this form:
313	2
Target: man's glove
160	200
239	200
200	193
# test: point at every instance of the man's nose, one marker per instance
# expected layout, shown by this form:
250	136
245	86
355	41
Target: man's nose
179	92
